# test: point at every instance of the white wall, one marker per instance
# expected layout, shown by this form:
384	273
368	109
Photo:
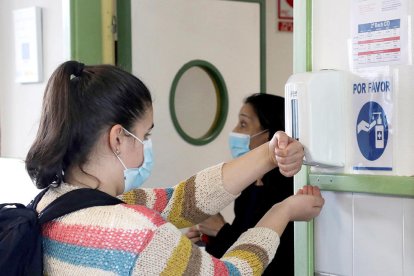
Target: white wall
358	234
20	104
15	183
279	52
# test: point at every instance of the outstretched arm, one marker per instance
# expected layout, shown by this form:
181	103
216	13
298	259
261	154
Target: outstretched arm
210	190
249	255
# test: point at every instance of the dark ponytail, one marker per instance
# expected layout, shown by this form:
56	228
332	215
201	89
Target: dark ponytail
80	102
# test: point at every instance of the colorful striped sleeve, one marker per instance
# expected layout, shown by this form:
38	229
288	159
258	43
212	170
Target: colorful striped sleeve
176	255
132	239
189	202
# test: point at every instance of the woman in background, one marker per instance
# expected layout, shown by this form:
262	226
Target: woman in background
259	118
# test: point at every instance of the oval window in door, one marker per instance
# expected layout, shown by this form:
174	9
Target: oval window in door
198	102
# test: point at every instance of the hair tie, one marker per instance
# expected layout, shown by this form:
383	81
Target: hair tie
78	69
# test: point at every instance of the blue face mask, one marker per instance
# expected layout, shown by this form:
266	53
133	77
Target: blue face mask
239	143
135	177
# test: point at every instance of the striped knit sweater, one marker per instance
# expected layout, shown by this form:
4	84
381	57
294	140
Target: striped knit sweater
142	236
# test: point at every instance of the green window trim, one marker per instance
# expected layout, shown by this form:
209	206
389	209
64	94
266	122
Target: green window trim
222	102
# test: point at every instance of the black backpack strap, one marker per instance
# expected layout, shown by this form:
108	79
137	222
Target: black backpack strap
76	200
36	200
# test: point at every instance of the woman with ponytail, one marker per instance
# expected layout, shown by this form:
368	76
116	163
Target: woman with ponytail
94	133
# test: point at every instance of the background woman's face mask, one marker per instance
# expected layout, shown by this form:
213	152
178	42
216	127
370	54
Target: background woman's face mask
239	143
135	177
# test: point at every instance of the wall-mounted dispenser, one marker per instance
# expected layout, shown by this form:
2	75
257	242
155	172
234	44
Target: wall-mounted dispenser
315	110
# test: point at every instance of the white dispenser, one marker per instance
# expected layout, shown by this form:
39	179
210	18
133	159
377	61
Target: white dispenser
315	109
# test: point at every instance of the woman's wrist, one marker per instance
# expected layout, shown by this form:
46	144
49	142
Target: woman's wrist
271	155
276	218
244	170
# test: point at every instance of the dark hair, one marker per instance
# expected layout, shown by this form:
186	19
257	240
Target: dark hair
270	109
80	103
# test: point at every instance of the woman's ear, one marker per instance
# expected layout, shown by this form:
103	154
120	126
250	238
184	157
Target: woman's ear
115	138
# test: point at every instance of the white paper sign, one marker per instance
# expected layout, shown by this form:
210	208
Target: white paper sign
379	33
28	44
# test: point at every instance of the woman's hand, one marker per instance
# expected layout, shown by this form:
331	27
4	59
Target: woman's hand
287	153
303	206
281	151
212	225
209	227
306	204
193	234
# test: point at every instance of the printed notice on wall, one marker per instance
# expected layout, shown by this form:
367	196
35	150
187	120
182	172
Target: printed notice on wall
379	33
285	15
372	101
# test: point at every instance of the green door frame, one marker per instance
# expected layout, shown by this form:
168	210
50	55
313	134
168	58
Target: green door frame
87	32
124	53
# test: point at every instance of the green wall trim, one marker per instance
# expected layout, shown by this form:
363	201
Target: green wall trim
86	31
124	45
373	184
222	102
302	61
309	55
303	234
263	69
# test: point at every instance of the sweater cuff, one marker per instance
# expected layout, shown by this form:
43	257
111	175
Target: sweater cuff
210	189
261	237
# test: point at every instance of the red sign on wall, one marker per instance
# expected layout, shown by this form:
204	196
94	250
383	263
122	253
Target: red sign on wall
285	26
285	15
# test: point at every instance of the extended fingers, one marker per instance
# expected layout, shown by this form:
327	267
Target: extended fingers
193	234
316	191
311	190
305	189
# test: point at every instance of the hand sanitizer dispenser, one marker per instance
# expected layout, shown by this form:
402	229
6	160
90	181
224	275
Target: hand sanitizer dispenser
315	105
379	131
